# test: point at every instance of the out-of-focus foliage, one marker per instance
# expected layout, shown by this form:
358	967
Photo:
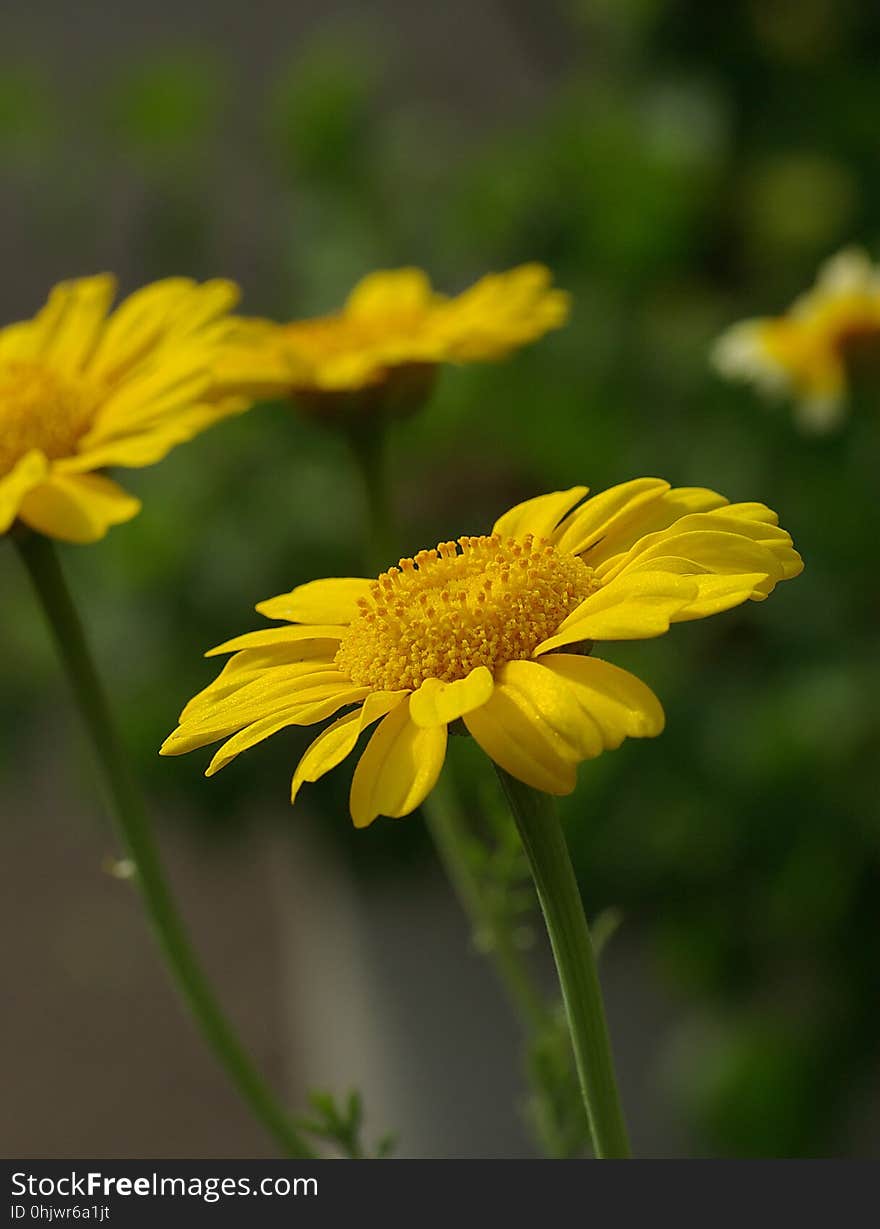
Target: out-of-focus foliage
341	1126
689	165
27	121
166	109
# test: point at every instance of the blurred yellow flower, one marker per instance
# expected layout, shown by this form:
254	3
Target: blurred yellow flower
804	353
395	327
496	631
82	388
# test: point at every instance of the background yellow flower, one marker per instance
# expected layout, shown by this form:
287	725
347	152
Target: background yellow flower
83	388
491	630
805	352
393	318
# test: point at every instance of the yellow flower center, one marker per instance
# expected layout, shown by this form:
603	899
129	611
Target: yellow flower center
40	408
478	602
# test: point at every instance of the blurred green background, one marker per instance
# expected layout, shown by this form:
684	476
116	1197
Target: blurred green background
678	166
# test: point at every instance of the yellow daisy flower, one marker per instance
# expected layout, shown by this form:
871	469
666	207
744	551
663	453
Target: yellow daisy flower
83	387
394	329
494	631
805	353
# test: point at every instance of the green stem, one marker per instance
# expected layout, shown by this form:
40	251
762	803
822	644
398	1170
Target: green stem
369	447
41	561
544	843
450	836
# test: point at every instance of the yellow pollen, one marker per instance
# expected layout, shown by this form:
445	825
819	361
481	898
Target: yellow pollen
476	602
40	408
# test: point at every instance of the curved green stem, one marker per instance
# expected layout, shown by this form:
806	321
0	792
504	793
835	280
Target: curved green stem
41	561
544	843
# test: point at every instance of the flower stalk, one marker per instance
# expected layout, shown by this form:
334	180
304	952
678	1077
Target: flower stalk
544	842
369	446
42	564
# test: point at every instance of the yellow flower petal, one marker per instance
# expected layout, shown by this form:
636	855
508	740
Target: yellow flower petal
347	372
77	507
299	683
320	601
287	674
551	705
372	709
394	293
137	324
748	512
77	311
515	734
19	341
255	360
312	704
499	313
135	445
332	745
720	542
250	736
140	402
438	703
720	593
205	305
633	607
398	769
620	704
49	320
607	513
716	591
652	516
319	703
708	550
252	664
267	636
278	664
538	516
753	520
30	471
